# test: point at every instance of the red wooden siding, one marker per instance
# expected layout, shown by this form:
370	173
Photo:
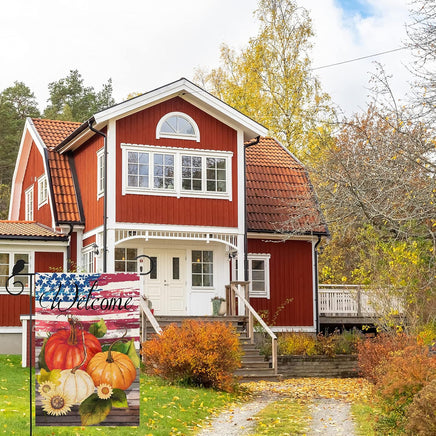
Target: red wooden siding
11	307
291	276
140	128
85	160
35	169
48	261
89	241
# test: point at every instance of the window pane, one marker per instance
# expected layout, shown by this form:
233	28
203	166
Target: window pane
258	286
131	253
196	185
158	159
257	264
143	181
186	184
143	158
132	181
132	157
153	273
119	266
4	258
119	253
196	280
158	182
207	280
176	268
132	169
184	126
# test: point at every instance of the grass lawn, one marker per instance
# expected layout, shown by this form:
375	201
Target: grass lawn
285	417
165	409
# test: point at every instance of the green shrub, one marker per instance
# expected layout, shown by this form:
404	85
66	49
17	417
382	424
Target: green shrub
421	414
197	353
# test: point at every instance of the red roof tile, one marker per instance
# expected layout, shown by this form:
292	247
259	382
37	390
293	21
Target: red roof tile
27	229
280	197
52	132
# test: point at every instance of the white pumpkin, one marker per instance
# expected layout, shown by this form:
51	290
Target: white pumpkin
77	385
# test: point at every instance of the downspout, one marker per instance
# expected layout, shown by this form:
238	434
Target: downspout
69	247
315	253
254	142
104	193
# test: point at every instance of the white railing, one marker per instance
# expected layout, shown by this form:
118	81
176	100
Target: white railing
234	290
349	300
146	314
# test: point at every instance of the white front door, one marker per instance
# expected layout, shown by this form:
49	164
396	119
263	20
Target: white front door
165	285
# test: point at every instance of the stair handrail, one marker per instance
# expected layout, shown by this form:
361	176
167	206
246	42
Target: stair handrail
148	313
252	313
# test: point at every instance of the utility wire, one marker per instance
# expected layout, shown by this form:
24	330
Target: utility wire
359	59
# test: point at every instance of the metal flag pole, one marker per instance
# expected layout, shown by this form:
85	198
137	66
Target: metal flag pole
18	267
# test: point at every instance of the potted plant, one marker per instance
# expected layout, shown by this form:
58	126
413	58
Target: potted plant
218	306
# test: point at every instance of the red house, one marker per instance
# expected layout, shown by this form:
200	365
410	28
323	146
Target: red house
177	175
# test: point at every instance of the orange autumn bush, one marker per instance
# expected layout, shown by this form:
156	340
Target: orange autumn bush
373	351
197	353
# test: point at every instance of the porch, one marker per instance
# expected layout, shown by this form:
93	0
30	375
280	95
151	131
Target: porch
350	304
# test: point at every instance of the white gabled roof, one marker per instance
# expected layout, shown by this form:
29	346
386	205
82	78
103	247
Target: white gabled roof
182	88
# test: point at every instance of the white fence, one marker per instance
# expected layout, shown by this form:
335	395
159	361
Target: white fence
349	300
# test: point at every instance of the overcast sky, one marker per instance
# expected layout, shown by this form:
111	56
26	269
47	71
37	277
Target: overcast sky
143	44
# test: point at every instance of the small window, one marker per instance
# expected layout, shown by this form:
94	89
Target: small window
177	125
100	173
202	268
42	191
88	259
7	262
125	260
258	275
28	212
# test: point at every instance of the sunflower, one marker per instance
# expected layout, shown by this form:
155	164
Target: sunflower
104	391
46	387
56	403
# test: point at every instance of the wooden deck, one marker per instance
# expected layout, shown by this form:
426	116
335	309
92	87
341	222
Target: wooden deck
349	304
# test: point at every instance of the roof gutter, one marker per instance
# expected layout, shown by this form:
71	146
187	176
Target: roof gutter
249	144
76	133
90	122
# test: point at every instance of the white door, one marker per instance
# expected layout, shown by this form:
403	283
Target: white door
165	285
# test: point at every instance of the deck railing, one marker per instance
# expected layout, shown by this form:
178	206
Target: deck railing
236	295
350	300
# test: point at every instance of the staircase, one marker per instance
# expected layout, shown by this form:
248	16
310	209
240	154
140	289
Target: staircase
254	366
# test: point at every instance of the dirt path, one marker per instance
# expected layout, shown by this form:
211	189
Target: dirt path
328	399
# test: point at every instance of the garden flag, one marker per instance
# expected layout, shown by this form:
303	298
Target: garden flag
87	338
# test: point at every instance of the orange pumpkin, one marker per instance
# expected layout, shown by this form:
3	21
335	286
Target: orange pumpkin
113	368
66	348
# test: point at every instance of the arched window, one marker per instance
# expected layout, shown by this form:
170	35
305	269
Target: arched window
179	126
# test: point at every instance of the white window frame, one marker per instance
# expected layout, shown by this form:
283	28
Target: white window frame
202	273
88	259
28	204
42	191
177	152
125	260
160	134
100	173
20	277
265	257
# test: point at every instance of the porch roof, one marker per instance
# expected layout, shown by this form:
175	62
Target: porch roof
28	230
